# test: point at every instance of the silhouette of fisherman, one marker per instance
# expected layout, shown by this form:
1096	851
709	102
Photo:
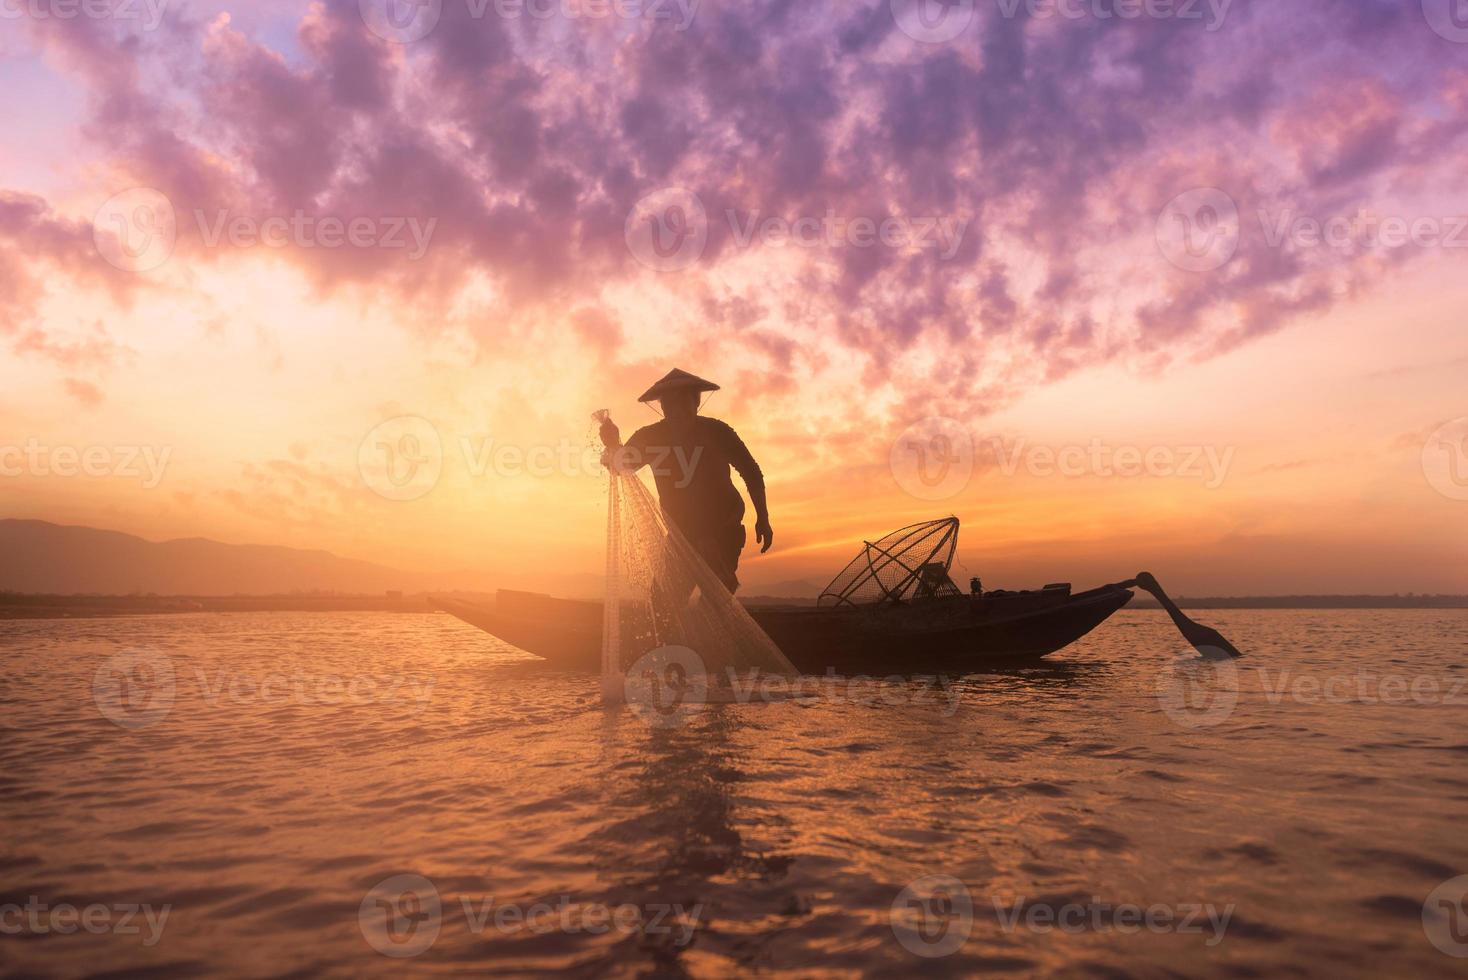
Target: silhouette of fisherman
691	456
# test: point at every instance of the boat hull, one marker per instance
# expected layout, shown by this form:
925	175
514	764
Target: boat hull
958	635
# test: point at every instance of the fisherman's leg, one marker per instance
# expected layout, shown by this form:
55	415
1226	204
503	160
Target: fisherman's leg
733	544
720	548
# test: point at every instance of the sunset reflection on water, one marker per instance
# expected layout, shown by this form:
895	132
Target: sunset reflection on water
309	764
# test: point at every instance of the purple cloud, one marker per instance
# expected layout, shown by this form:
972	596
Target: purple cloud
1055	142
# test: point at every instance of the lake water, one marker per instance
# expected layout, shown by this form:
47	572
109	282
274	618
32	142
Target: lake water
360	794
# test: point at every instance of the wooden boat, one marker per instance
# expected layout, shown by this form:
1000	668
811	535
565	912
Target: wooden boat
892	610
951	633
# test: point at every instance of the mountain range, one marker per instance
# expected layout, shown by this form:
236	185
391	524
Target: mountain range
40	557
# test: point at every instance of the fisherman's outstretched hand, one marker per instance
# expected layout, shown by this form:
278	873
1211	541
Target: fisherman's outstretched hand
611	436
763	535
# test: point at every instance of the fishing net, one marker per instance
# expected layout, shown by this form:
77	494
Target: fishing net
666	611
908	564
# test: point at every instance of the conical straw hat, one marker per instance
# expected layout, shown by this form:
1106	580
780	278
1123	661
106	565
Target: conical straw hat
673	381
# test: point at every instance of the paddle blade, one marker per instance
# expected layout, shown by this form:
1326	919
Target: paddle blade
1209	643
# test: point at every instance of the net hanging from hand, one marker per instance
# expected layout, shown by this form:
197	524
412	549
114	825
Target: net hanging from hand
661	593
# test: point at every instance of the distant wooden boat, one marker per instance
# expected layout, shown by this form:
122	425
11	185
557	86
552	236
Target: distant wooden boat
950	633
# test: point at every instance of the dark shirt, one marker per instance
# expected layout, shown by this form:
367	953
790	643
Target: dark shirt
690	462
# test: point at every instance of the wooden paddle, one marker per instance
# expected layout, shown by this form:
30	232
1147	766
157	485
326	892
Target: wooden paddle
1209	643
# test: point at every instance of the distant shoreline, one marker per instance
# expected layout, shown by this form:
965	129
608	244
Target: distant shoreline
20	606
1314	602
23	606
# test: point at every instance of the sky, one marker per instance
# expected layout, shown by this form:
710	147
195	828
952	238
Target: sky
1162	285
